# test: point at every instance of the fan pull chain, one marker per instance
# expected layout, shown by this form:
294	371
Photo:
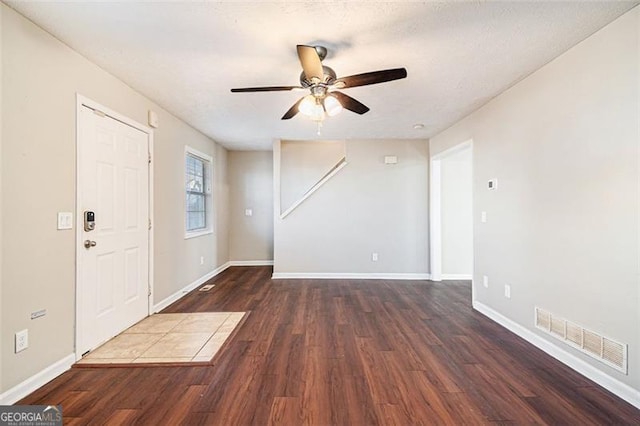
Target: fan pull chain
319	127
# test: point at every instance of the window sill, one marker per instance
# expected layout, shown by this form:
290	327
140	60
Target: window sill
194	234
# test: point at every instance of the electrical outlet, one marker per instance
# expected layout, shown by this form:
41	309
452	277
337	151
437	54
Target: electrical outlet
202	260
507	291
22	340
485	281
374	257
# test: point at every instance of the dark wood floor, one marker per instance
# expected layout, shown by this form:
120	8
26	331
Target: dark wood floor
343	352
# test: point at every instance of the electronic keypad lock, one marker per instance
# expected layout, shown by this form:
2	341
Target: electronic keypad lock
89	221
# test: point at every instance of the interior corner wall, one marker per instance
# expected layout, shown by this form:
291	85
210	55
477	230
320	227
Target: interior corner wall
368	206
251	187
222	190
40	79
562	228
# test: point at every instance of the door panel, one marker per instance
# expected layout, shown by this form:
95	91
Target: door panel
105	286
132	276
114	183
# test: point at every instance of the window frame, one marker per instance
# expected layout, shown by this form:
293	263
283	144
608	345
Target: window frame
208	192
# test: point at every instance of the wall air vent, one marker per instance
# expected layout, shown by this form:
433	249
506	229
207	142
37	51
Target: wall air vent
602	348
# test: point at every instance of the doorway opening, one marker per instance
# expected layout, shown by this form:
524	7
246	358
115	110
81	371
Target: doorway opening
451	213
114	238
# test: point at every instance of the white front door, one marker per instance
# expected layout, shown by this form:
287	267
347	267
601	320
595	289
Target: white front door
113	258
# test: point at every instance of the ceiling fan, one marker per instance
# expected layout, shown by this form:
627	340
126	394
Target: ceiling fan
322	82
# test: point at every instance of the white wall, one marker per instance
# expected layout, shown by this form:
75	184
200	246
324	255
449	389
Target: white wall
40	79
563	227
251	187
456	215
366	207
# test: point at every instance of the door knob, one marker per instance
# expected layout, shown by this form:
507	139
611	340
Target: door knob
89	244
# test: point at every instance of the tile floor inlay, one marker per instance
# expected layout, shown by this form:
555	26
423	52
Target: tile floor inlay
168	338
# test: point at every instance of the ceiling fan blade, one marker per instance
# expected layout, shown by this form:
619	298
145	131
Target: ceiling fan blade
373	77
310	61
265	89
292	111
351	104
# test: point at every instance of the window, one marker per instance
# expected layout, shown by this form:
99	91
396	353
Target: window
198	203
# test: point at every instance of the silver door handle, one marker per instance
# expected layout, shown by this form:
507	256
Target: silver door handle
88	244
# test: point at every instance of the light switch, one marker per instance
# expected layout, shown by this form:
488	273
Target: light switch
65	220
483	217
248	212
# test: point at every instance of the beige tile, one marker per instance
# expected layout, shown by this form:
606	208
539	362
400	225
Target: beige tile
220	336
168	338
236	316
86	360
229	325
210	349
211	315
125	346
157	323
213	345
160	360
202	359
201	323
177	345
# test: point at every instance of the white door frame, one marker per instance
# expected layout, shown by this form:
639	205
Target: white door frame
435	206
86	102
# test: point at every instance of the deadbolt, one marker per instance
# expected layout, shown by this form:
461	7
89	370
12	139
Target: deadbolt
89	244
89	221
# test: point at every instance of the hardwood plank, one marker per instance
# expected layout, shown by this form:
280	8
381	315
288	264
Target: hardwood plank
316	409
122	417
353	393
343	352
285	411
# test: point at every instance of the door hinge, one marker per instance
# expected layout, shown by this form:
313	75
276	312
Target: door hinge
99	113
149	292
149	158
149	223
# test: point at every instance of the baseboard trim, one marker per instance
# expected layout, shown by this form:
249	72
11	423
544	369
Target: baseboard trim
348	276
456	276
251	263
624	391
38	380
180	293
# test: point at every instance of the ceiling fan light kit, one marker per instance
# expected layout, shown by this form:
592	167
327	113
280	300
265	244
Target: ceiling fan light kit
312	107
324	98
332	105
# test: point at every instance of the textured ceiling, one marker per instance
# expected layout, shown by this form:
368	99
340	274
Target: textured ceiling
187	55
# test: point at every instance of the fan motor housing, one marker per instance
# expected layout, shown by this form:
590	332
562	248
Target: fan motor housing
329	77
